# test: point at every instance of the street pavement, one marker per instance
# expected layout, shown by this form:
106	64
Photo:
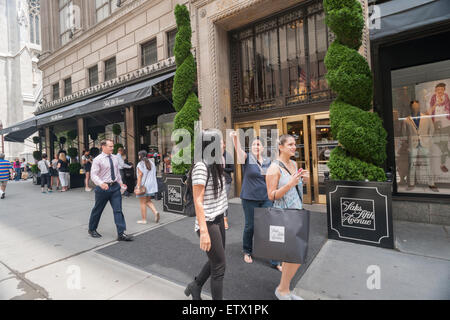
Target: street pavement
46	253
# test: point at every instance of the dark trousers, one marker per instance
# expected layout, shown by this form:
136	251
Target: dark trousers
45	180
249	212
102	197
215	267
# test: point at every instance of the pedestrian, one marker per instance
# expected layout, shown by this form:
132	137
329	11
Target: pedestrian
86	160
254	190
146	176
17	169
210	201
6	170
227	171
63	172
121	156
54	172
105	174
44	166
23	169
284	187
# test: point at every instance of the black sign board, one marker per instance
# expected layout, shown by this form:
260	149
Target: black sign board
360	212
174	189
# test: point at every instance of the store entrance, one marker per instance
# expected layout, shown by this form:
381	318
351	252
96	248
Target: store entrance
314	144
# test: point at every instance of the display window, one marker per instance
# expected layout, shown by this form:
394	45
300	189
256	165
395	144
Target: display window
421	115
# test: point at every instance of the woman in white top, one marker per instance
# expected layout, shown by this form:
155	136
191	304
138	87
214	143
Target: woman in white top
146	176
210	199
54	172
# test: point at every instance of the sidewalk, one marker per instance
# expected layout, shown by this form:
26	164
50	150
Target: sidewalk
44	245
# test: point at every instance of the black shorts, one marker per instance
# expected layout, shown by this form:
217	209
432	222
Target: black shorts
45	180
87	167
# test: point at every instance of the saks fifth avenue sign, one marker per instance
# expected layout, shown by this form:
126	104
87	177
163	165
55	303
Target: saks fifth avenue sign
56	117
360	212
113	102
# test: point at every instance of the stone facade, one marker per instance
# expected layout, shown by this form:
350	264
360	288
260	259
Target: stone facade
20	79
119	35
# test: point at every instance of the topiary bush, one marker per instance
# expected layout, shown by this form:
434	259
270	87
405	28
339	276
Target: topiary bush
116	147
72	153
37	155
34	169
362	138
185	101
74	168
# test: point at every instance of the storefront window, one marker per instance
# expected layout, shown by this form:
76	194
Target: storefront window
421	115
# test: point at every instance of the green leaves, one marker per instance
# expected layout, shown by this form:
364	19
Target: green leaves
360	133
184	99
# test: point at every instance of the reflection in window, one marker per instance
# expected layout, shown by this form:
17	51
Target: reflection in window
274	60
66	20
421	115
171	42
104	8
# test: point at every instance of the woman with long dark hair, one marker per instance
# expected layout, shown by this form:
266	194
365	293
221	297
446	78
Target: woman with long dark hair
210	200
146	176
283	178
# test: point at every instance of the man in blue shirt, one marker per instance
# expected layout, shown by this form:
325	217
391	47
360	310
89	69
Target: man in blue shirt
5	171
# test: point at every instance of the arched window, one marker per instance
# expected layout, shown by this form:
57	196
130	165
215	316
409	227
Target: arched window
34	10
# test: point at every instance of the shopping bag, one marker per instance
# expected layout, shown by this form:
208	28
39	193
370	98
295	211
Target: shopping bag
281	234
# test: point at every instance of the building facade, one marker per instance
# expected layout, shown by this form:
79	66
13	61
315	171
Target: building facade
20	78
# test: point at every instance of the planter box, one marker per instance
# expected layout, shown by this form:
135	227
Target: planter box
77	180
36	179
173	193
360	212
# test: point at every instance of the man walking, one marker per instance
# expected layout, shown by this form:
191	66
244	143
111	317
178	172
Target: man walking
5	170
105	174
44	166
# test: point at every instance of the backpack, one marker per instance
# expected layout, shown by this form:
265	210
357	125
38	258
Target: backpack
189	209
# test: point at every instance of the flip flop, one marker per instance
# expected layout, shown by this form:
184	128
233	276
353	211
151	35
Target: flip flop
248	258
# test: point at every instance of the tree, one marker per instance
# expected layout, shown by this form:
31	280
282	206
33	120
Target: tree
361	136
185	101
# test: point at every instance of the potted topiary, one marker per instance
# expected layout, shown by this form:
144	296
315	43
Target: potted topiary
76	179
358	196
187	106
36	176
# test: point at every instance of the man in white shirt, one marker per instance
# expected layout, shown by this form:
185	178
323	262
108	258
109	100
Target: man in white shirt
44	166
121	156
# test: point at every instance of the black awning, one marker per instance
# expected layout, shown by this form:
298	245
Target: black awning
20	135
400	15
127	95
69	111
20	126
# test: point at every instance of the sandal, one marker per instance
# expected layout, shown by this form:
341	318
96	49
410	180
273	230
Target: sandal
142	221
278	267
157	217
248	258
225	221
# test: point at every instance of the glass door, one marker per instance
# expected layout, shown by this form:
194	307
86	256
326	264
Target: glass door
245	127
322	143
297	126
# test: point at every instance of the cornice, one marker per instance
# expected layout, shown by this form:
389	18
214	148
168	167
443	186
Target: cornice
130	78
94	31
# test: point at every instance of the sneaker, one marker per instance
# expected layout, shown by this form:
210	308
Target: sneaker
3	196
295	297
142	221
281	297
87	189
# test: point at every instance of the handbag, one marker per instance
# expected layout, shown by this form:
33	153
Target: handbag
281	234
140	190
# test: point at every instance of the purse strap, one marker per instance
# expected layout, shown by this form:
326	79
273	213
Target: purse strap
281	164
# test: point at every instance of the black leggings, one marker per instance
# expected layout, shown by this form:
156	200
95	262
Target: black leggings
215	267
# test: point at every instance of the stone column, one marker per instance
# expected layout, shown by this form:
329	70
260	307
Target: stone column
81	136
130	134
47	143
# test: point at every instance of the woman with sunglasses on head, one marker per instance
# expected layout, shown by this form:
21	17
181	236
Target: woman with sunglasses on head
284	188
